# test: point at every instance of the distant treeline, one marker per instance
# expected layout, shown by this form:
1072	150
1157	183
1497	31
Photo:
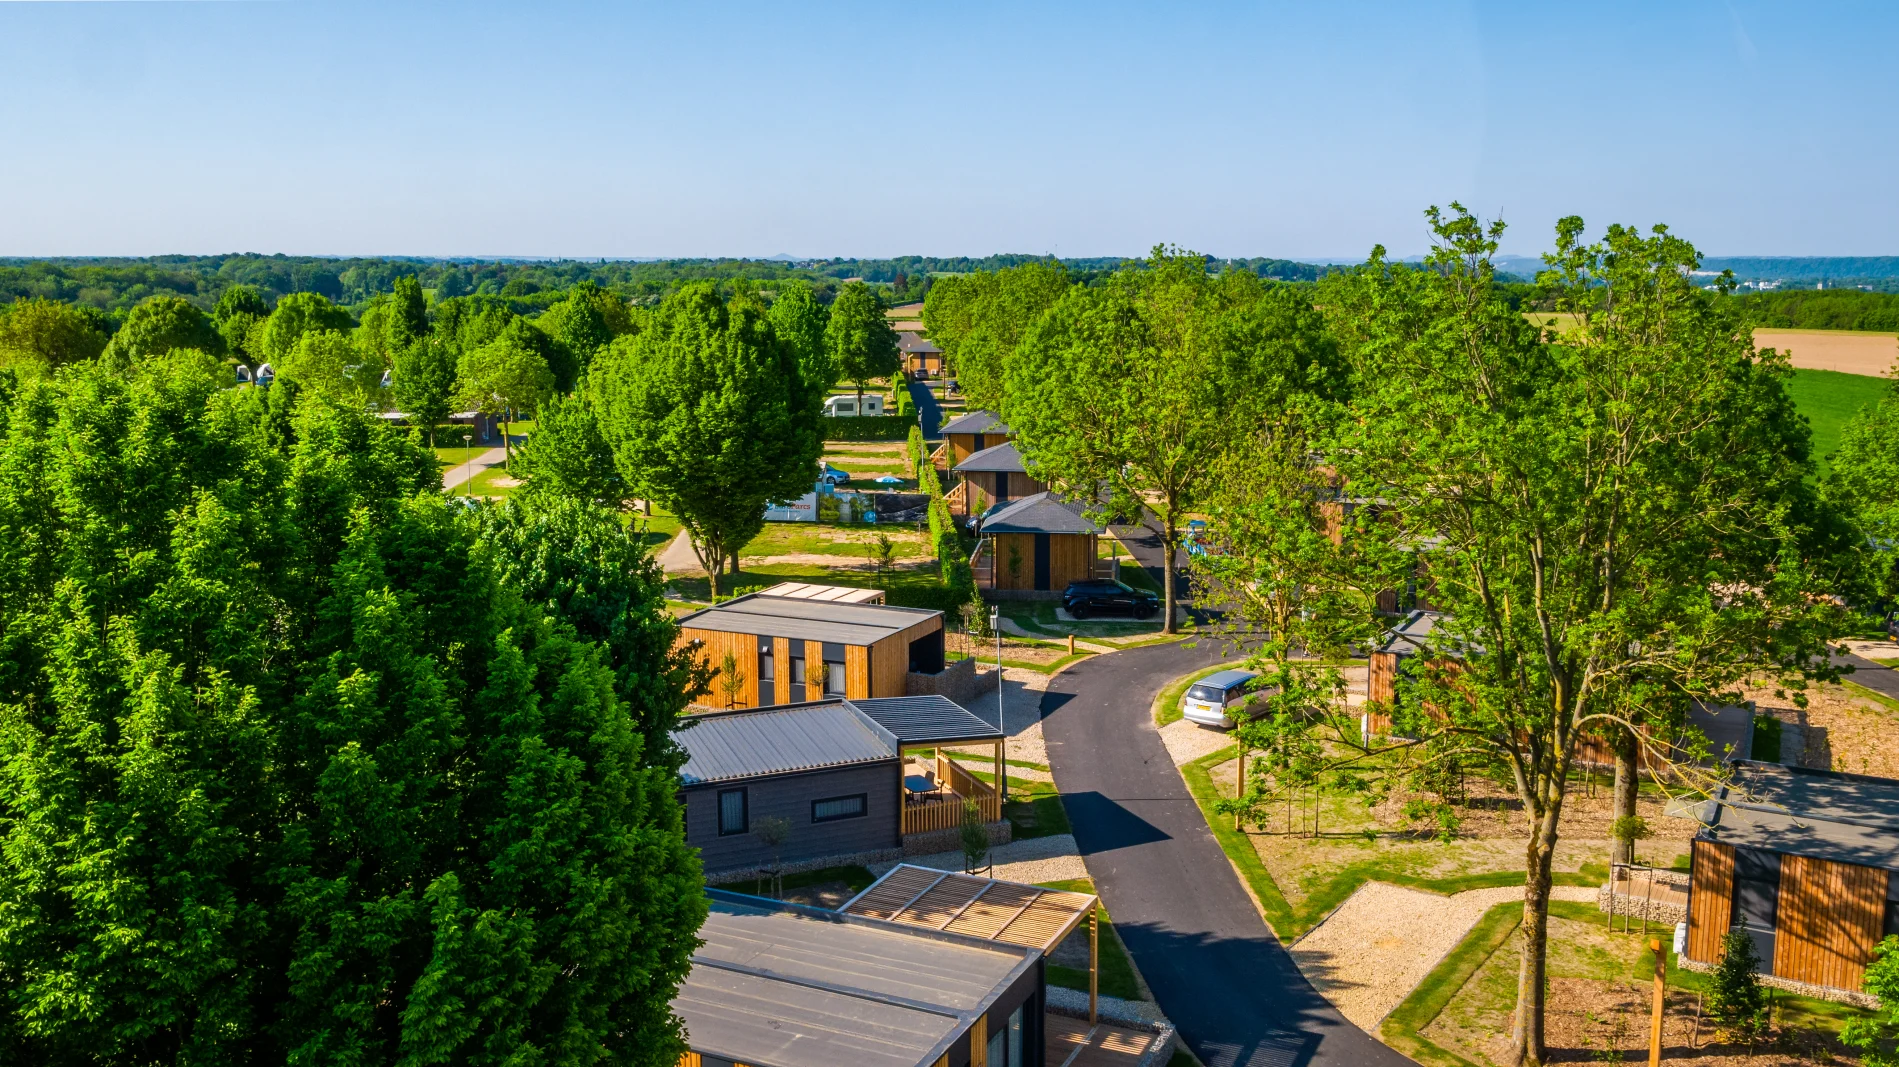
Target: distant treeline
1823	309
116	285
1880	272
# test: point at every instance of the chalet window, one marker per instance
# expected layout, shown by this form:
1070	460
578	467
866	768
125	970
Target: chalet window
733	816
833	670
797	670
1005	1043
1002	486
767	674
831	809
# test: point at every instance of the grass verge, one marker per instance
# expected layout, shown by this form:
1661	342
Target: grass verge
1167	704
1117	972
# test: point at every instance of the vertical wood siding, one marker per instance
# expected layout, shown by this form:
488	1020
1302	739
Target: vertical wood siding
813	670
1829	918
889	665
856	671
1710	900
744	650
979	1042
781	665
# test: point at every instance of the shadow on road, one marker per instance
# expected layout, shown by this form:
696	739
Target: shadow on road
1110	825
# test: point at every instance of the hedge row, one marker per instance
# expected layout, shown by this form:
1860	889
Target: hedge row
952	565
868	427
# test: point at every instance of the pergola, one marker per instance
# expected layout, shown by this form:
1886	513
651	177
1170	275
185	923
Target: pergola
1011	912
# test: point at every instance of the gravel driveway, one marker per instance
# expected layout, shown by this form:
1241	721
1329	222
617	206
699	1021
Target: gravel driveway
1375	949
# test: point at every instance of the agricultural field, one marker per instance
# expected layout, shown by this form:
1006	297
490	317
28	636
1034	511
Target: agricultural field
1847	351
1828	399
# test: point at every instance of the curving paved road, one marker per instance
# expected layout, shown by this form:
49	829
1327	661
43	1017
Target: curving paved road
1216	969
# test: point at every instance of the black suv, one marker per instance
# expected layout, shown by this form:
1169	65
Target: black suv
1104	596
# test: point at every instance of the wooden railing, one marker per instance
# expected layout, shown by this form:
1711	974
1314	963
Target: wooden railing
946	813
982	565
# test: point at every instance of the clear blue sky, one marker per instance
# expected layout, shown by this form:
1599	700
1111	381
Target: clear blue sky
1284	129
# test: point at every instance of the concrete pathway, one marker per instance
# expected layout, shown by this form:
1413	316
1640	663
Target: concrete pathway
678	557
1214	966
463	472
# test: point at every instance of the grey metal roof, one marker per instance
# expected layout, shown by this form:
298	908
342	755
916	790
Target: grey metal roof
1846	818
807	620
976	422
1002	457
794	987
924	719
1038	513
745	744
1410	636
910	342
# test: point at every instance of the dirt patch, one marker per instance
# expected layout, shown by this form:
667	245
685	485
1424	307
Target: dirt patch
1854	353
1844	731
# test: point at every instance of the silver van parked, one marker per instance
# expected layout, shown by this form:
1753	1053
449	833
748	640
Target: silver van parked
1213	700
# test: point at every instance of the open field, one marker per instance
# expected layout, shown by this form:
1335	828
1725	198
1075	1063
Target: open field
1848	351
1828	398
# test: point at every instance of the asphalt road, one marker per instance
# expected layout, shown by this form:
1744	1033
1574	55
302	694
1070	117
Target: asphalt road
1881	680
1216	969
929	412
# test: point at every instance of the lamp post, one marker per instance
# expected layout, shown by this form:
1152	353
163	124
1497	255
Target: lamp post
1002	769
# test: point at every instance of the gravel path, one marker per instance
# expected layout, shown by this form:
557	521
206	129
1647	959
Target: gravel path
1188	741
1375	949
1036	859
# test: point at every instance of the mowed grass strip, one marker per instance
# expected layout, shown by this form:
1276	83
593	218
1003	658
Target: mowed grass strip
1403	1029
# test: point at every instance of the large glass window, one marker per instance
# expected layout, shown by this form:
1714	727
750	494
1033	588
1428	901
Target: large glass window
732	814
767	673
832	808
1015	1037
833	669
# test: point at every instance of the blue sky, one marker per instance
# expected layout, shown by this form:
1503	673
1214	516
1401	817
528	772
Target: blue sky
1301	130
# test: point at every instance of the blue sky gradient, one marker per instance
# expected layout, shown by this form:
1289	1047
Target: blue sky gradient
1297	130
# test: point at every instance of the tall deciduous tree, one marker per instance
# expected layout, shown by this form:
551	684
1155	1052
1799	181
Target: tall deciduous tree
507	377
294	316
1133	390
709	414
584	323
800	321
423	380
408	317
39	336
1613	520
304	765
159	325
239	309
859	338
569	457
979	320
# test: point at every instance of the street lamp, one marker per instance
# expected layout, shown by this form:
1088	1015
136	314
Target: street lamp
1002	723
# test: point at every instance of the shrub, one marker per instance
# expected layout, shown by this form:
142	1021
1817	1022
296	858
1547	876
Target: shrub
975	836
1735	997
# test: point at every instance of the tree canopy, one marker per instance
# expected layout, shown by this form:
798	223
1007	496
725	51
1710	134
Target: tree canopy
858	337
294	316
39	336
159	325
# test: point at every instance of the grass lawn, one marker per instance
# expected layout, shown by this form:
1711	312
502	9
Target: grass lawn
1598	1005
449	457
824	539
492	481
1320	872
1034	809
1116	971
1828	399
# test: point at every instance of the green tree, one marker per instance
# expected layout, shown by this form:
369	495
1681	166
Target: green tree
239	309
423	380
1864	481
327	362
159	325
1735	996
1612	520
859	339
296	315
507	377
39	336
800	321
981	320
304	764
584	323
1875	1037
408	316
568	456
1135	388
708	413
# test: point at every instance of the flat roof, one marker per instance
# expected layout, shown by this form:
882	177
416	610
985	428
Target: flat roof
1846	818
722	746
1002	457
807	620
926	719
789	986
975	422
1038	513
1009	912
842	594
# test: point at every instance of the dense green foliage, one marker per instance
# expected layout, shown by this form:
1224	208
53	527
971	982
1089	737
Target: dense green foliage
305	763
39	336
160	325
709	414
800	321
1876	1038
1821	309
858	338
1865	482
979	320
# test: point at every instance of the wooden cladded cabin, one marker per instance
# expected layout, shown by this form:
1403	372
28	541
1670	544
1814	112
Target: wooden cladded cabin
990	478
921	358
970	433
786	650
1807	864
1036	545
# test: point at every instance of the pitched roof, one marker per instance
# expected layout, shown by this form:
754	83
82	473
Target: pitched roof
1846	818
1002	457
722	746
923	719
794	986
1038	513
910	342
807	620
976	422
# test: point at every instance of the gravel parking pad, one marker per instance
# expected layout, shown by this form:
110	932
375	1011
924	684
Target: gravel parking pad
1375	949
1187	741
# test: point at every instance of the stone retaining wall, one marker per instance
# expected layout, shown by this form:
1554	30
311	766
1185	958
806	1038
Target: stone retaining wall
957	681
1638	908
843	859
1818	992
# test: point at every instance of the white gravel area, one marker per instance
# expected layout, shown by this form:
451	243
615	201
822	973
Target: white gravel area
1036	859
1188	741
1021	710
1375	949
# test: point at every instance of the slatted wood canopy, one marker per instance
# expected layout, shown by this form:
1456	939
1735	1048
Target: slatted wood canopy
1011	912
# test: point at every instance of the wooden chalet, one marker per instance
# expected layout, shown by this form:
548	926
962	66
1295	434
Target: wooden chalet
790	649
996	475
968	434
921	358
1806	863
1036	545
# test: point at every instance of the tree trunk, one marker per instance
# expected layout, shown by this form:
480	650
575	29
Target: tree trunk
1533	961
507	442
1625	786
1170	542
